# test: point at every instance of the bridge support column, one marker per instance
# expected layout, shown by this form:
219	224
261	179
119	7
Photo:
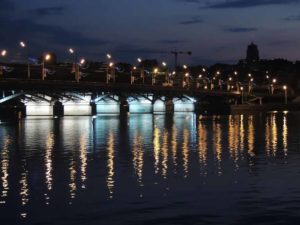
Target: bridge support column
58	109
163	106
169	104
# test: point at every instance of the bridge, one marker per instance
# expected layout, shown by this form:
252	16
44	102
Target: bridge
71	95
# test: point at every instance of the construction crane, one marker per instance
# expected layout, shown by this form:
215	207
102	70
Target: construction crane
176	53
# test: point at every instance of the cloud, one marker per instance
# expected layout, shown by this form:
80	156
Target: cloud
13	30
193	20
240	29
49	11
170	42
7	5
248	3
292	18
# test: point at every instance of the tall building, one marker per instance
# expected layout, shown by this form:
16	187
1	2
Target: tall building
252	54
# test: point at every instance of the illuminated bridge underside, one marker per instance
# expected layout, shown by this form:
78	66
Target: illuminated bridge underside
73	104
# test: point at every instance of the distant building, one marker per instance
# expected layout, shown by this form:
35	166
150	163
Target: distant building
252	54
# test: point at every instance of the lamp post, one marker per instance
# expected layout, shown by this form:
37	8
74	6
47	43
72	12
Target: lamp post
23	45
164	64
274	81
285	93
155	71
185	67
110	66
47	57
236	74
242	91
3	54
142	69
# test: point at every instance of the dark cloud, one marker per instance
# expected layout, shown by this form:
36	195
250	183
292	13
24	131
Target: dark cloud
48	11
193	20
292	18
7	5
248	3
42	35
240	29
171	42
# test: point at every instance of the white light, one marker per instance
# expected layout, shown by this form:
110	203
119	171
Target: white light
47	57
204	70
185	67
134	68
3	53
111	64
139	60
82	61
187	74
22	44
173	73
71	50
164	63
108	56
200	76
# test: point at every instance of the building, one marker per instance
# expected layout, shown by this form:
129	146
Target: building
252	54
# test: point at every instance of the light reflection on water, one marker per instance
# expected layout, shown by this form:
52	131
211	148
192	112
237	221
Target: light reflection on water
189	165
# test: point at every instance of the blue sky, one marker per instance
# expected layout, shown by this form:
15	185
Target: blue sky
215	30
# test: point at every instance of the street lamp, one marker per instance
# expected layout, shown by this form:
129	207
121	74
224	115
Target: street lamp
47	57
23	45
285	93
142	69
3	53
242	91
155	71
164	64
274	81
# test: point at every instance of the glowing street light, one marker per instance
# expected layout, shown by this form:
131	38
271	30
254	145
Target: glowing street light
108	56
47	57
285	93
139	60
242	91
274	81
71	50
23	45
164	64
185	67
3	53
82	61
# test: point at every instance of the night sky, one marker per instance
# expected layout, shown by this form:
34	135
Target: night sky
215	30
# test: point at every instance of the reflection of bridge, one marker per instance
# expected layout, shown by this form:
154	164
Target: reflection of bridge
53	97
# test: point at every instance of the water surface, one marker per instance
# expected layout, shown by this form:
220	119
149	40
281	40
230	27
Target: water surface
151	169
